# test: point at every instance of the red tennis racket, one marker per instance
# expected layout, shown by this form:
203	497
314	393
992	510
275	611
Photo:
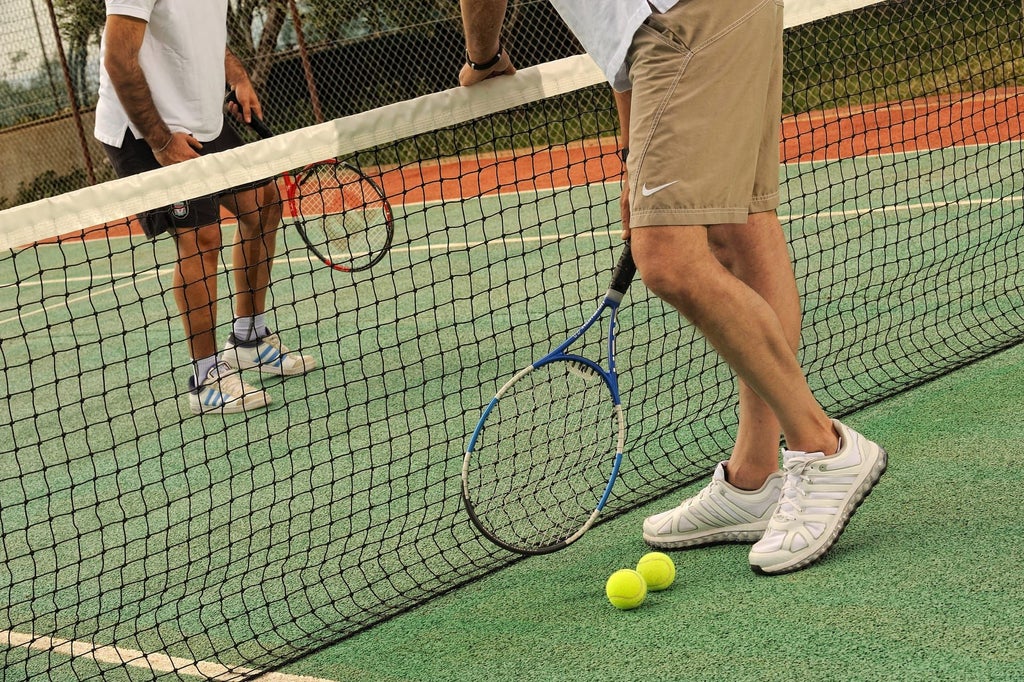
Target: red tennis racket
342	215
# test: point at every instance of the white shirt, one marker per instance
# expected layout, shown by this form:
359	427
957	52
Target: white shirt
605	28
182	56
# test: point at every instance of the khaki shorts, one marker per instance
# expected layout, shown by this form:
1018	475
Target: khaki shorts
705	114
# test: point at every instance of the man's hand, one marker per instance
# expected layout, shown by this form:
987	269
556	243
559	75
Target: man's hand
238	79
179	147
471	76
248	103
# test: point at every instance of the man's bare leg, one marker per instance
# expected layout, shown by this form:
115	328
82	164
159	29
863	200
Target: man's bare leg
195	286
253	343
756	253
255	243
678	265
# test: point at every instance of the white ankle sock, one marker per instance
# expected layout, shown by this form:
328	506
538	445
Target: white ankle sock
250	328
202	368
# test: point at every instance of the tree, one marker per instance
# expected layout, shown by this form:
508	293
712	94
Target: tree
339	20
30	99
246	17
81	23
81	20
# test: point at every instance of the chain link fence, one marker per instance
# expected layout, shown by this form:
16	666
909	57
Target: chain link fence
311	60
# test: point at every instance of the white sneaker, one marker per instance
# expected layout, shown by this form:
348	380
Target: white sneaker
719	513
267	354
223	391
818	497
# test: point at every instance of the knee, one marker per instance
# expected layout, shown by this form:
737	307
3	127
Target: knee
656	278
669	283
270	207
205	241
265	218
198	251
685	285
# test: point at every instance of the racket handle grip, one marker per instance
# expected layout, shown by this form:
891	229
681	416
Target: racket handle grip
256	123
261	128
624	271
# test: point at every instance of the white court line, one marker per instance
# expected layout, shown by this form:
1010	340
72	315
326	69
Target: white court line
66	303
160	663
831	213
551	190
924	205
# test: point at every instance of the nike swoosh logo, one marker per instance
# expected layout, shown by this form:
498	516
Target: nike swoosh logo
648	191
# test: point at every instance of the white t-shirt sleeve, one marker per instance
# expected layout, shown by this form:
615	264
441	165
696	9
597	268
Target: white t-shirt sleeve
605	28
139	9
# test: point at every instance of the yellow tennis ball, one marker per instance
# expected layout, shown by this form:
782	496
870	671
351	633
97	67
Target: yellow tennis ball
626	589
657	569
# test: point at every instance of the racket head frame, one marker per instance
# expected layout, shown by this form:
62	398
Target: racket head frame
621	277
293	183
293	188
611	384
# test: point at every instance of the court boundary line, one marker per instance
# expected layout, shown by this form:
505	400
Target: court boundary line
88	295
833	212
155	662
96	232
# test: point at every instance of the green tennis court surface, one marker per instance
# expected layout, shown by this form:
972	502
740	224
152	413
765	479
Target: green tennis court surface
923	585
141	542
242	507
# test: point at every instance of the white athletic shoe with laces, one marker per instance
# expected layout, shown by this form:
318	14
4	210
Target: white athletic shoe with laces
719	513
267	354
819	495
224	392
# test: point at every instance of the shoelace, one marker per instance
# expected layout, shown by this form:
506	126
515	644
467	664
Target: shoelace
230	380
792	489
704	493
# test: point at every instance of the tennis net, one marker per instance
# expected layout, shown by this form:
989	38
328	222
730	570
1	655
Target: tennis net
135	535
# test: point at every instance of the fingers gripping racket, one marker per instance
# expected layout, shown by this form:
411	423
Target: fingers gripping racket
342	215
540	465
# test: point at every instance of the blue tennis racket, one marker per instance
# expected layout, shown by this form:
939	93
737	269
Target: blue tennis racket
540	465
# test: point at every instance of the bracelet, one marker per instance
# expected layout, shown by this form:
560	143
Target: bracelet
166	144
623	154
483	66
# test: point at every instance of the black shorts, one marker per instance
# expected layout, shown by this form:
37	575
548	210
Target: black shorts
134	156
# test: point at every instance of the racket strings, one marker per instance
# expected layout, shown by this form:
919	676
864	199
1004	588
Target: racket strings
343	213
542	459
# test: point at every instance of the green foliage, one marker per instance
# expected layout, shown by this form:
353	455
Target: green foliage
81	24
40	96
50	183
899	51
340	20
81	21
